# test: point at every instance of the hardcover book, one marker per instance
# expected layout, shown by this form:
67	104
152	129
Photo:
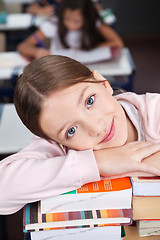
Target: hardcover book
34	220
146	186
146	207
103	233
104	194
148	227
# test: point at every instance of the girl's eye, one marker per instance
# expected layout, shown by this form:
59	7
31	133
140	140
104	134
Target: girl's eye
90	101
71	132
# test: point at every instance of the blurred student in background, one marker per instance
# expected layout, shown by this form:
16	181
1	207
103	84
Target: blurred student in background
76	26
44	7
50	7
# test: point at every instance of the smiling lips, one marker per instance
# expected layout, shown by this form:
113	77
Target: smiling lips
110	133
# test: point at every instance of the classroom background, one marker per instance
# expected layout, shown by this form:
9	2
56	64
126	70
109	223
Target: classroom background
138	25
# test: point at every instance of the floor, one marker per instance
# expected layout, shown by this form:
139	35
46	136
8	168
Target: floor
145	52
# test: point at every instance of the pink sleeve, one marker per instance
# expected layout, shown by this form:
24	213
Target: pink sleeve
42	170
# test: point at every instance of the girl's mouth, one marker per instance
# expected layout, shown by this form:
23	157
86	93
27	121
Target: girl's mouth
110	134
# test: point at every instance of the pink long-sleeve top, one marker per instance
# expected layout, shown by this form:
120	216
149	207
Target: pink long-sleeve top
44	169
41	170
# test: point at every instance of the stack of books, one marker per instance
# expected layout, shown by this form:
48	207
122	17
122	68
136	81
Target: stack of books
97	209
146	204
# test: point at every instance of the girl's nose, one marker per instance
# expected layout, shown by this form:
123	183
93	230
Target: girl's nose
96	127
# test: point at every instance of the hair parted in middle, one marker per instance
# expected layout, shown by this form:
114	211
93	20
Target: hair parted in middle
39	79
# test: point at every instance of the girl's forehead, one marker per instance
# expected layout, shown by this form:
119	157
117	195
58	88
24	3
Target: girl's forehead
73	12
71	90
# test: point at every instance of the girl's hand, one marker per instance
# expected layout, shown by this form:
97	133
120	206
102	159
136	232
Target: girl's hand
127	158
47	10
41	52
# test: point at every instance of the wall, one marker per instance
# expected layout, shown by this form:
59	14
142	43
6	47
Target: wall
136	16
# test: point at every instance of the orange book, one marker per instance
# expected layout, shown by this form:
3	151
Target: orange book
104	194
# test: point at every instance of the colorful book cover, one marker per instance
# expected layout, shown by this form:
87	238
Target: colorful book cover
33	220
95	195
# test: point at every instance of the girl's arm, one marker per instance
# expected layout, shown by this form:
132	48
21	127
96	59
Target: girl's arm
32	47
112	38
131	159
42	170
36	9
87	57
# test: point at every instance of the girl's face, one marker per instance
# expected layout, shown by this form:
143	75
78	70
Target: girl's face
85	116
73	19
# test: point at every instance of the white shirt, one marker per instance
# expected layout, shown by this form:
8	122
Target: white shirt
135	118
50	30
73	39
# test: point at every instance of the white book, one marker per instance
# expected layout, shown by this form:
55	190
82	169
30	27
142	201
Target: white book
11	60
146	186
103	233
85	57
149	224
148	227
105	194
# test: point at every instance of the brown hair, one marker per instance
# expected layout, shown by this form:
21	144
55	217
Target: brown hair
91	36
40	78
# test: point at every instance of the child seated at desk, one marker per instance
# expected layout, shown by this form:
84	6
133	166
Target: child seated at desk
76	32
85	133
44	7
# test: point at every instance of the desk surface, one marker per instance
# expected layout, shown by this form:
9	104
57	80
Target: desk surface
18	1
21	21
132	234
117	67
10	63
121	66
13	134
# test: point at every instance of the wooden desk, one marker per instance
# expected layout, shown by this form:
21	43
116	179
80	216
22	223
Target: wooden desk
132	234
13	134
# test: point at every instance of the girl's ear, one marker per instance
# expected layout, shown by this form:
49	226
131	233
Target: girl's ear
106	83
97	75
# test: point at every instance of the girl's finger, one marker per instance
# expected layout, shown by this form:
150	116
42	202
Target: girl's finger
147	151
143	167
